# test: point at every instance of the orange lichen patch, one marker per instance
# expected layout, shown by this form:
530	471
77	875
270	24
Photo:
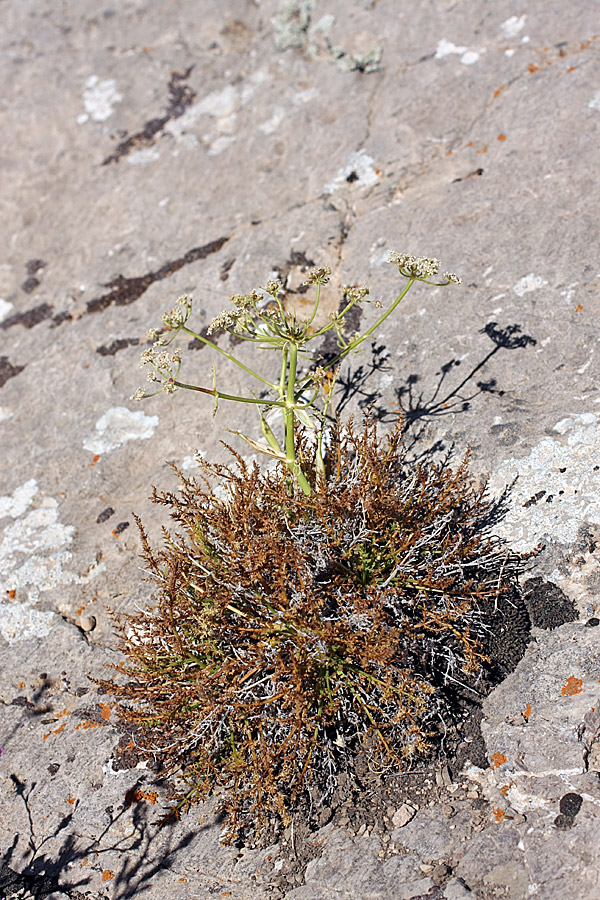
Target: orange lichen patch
105	711
499	91
578	308
21	684
87	724
506	788
95	459
573	686
12	594
500	137
533	68
528	711
498	759
471	144
135	795
80	610
182	880
107	875
84	861
483	150
498	814
71	800
57	731
449	153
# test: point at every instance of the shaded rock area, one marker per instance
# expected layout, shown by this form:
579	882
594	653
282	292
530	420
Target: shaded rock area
154	148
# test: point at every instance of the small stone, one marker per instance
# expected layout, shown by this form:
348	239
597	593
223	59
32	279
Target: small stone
403	815
361	830
518	819
87	623
472	795
426	868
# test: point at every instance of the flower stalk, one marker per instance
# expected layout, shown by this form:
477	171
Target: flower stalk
303	395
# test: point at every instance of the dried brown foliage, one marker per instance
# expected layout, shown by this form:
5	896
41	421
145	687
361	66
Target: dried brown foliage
290	631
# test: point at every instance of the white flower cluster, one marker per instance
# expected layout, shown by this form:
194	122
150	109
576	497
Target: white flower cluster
420	267
162	373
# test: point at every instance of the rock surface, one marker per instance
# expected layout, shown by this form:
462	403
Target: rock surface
154	148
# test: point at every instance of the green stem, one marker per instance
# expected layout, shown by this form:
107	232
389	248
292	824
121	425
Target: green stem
213	392
351	346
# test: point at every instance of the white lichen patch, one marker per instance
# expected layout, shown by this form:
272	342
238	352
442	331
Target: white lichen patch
468	55
99	98
557	487
595	101
5	308
512	26
33	559
271	125
528	283
117	426
15	504
359	169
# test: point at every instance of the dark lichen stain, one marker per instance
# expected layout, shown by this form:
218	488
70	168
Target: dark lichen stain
53	768
30	284
570	804
117	345
124	291
547	605
7	370
533	500
180	97
225	268
105	514
120	528
30	318
34	265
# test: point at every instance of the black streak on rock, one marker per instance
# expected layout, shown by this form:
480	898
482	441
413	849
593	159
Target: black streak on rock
117	345
180	97
7	370
30	318
124	291
105	514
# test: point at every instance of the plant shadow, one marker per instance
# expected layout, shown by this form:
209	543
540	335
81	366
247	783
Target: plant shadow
417	407
49	872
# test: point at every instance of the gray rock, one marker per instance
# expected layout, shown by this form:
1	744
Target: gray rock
153	149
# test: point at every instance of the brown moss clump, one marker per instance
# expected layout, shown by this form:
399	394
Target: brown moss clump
292	632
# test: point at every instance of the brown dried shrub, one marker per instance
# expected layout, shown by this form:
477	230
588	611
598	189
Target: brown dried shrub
290	632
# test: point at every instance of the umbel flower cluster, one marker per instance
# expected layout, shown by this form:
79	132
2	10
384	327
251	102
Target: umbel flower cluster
303	391
292	634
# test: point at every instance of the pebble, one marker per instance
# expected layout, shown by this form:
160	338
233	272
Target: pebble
403	815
